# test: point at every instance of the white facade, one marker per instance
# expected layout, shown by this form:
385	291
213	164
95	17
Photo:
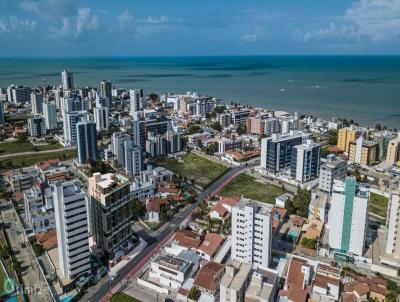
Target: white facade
71	215
136	102
50	115
333	168
101	118
71	119
36	103
251	232
67	80
347	216
118	147
133	159
393	234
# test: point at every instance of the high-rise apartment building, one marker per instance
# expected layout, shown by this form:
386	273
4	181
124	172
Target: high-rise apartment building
71	217
333	168
118	147
36	126
36	103
105	92
50	115
111	213
393	151
133	158
345	136
136	100
18	94
141	128
347	218
363	152
86	141
67	80
70	120
2	121
277	151
305	161
255	125
393	226
251	232
101	118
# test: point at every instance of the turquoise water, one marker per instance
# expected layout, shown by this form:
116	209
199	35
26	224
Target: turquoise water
363	88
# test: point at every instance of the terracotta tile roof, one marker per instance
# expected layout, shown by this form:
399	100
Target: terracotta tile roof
43	165
220	209
380	289
230	200
294	294
328	268
361	288
379	281
184	292
295	276
349	297
211	243
47	239
281	211
187	239
297	220
153	204
168	190
19	196
323	281
209	276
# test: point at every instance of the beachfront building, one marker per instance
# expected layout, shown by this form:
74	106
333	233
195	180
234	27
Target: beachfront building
67	80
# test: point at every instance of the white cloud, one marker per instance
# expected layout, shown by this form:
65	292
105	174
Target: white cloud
85	21
15	24
125	19
375	20
249	38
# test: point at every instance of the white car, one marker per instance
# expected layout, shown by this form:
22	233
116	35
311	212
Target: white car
114	276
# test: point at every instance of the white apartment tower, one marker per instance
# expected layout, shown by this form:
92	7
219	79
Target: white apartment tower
50	115
101	118
347	218
36	103
393	226
67	80
333	168
136	102
71	216
251	232
133	158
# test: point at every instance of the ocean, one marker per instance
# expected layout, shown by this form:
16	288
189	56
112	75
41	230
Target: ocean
363	88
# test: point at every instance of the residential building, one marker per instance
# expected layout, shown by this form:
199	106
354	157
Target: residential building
263	286
234	282
209	277
105	92
363	152
204	106
393	151
18	94
224	119
255	125
239	117
67	80
305	161
227	144
317	206
71	216
23	179
36	126
136	100
251	232
347	218
297	280
333	168
271	126
2	121
174	142
101	118
39	210
133	158
71	119
326	283
86	141
277	150
118	148
36	103
111	213
141	128
345	136
50	115
393	226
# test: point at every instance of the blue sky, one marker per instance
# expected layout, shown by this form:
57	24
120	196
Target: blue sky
198	27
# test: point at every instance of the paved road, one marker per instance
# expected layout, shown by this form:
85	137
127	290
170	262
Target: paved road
156	243
35	152
34	284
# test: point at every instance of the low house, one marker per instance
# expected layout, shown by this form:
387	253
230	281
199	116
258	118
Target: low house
263	286
326	283
281	199
209	277
278	217
297	280
218	211
154	207
210	245
359	288
234	282
187	239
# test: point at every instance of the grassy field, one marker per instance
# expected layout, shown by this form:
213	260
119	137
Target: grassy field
16	118
378	205
121	297
249	187
25	161
17	147
196	168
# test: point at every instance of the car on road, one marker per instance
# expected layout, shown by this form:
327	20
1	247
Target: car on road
114	276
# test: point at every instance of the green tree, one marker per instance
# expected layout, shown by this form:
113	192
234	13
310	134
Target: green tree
194	129
154	97
219	109
357	175
241	129
300	202
216	126
309	243
137	209
194	293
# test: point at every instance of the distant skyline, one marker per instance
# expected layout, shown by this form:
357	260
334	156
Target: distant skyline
40	28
